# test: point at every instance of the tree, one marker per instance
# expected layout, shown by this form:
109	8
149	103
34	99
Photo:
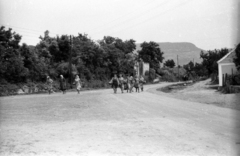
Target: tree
88	56
169	63
152	74
190	69
151	53
237	59
210	59
11	62
52	52
200	70
119	55
60	48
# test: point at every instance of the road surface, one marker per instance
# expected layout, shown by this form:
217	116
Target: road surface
102	123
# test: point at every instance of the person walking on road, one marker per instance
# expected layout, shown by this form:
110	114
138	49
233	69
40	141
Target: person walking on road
121	82
127	81
49	85
141	82
136	83
78	83
62	84
131	82
115	83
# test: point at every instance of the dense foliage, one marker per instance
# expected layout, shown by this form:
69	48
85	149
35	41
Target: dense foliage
12	67
152	54
210	59
169	63
94	61
237	59
91	60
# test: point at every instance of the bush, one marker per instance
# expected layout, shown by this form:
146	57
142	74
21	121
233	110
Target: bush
41	87
152	74
3	82
167	74
160	72
236	79
146	73
146	78
233	79
169	78
96	84
8	89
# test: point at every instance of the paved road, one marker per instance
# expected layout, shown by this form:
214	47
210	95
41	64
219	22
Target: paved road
103	123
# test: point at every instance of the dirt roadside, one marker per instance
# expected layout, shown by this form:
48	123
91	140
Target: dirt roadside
102	123
202	92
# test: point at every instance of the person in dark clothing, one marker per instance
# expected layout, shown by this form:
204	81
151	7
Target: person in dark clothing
136	83
115	83
62	84
126	83
141	82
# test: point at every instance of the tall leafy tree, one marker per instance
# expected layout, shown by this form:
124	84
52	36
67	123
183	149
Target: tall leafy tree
210	59
190	69
61	48
88	56
151	53
119	54
36	66
11	62
200	70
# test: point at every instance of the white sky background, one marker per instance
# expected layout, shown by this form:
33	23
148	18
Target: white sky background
208	24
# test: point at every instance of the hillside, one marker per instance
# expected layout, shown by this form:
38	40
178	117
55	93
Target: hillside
186	51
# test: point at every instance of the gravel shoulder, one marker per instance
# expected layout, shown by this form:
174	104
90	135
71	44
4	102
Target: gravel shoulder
202	92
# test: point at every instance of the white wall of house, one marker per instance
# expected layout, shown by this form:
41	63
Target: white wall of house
225	68
145	68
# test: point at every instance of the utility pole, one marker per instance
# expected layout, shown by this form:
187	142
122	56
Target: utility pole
178	67
70	62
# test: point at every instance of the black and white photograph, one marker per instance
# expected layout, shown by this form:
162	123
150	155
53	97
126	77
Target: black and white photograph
119	77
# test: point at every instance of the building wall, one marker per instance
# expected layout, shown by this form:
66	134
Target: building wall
225	68
145	67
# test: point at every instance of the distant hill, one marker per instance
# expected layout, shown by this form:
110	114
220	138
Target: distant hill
186	51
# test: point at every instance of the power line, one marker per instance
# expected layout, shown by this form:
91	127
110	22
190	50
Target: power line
155	16
17	30
31	30
35	30
28	34
116	19
134	17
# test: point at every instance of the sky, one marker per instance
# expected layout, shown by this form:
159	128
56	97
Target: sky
209	24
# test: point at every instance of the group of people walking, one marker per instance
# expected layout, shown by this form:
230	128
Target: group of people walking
127	83
63	84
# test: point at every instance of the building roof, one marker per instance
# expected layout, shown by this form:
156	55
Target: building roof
228	58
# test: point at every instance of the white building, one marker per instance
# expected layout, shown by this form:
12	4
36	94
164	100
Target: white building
226	66
141	68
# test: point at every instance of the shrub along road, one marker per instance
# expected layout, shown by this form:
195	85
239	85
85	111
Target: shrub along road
102	123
